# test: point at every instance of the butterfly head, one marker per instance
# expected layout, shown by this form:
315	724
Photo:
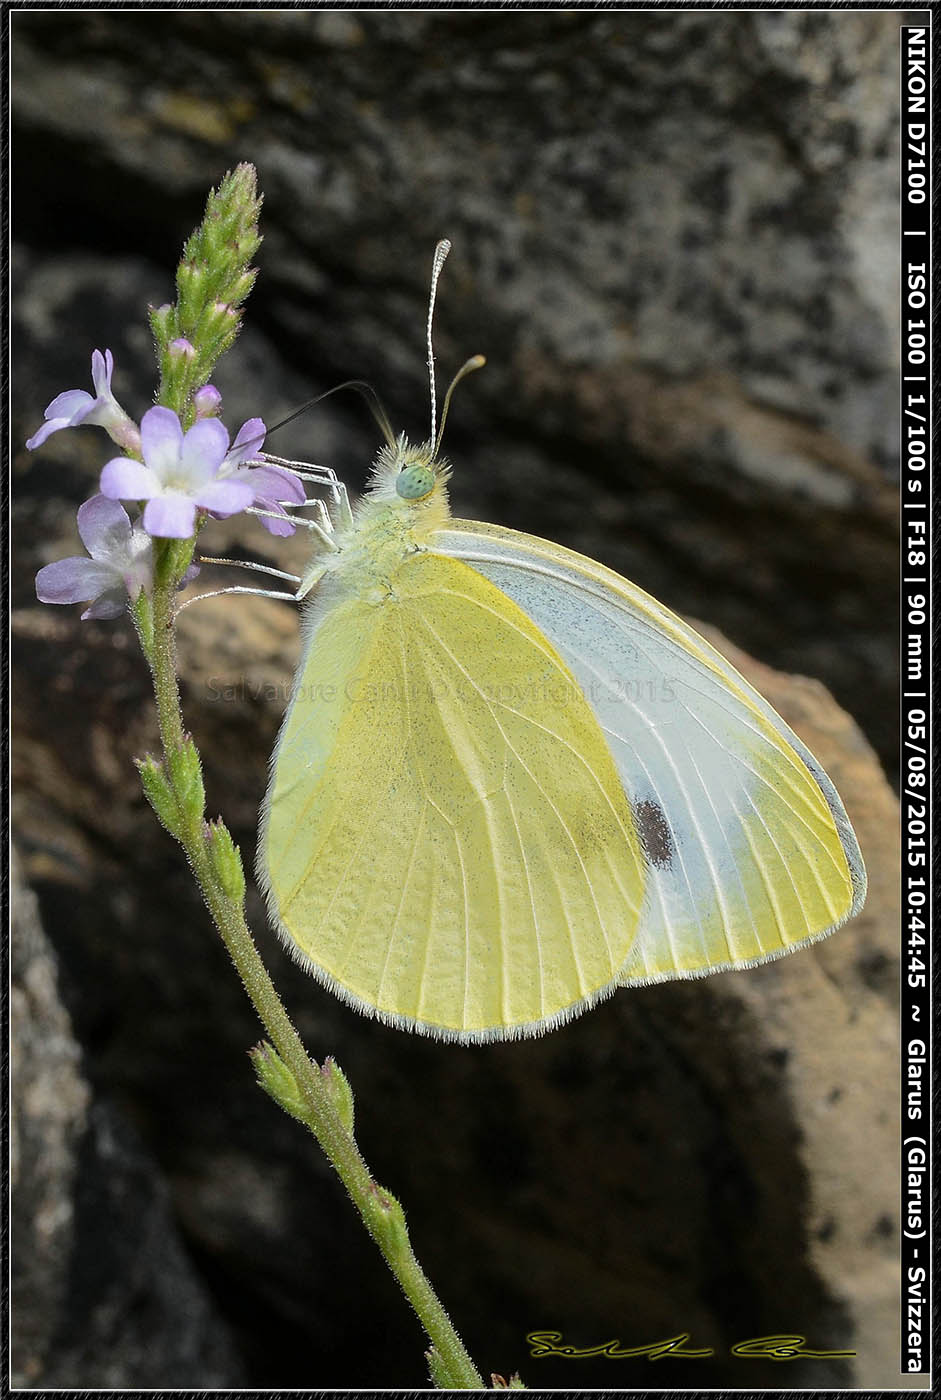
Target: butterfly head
409	478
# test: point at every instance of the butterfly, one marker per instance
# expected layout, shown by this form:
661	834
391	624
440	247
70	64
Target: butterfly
509	781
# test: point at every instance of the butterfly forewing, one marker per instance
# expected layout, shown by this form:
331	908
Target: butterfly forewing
749	852
446	838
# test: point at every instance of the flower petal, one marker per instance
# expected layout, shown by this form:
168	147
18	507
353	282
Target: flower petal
249	441
105	528
161	442
72	404
139	572
123	479
105	413
51	425
204	448
170	517
276	484
225	497
109	605
75	580
102	368
282	527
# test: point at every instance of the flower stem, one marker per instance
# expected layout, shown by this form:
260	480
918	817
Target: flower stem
380	1211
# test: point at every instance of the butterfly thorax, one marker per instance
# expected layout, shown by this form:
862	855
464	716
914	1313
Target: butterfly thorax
388	527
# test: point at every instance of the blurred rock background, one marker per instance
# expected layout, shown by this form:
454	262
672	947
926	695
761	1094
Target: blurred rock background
675	241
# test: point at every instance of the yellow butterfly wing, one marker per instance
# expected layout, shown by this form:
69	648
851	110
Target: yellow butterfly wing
749	851
446	841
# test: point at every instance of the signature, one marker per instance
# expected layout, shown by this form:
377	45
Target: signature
779	1346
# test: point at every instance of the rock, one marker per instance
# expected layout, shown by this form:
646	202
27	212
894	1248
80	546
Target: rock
103	1293
46	1125
138	1314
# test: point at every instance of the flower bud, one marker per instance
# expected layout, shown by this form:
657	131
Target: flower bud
242	285
190	277
187	778
163	321
340	1092
277	1081
191	280
386	1219
224	316
438	1369
226	861
181	349
207	401
159	794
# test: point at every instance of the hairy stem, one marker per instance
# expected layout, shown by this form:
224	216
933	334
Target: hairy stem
380	1212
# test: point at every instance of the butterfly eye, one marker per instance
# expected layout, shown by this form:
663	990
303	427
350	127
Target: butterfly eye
414	481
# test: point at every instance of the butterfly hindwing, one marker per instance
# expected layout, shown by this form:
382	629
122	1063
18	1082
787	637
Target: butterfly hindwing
446	840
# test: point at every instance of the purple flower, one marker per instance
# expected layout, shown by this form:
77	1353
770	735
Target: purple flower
76	406
271	485
181	472
121	563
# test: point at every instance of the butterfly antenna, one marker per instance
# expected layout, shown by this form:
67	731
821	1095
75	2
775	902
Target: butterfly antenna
441	252
361	387
475	362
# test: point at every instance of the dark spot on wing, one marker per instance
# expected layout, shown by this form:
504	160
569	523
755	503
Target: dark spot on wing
654	833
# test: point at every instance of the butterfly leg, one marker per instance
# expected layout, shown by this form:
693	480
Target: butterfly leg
249	564
223	592
320	476
312	576
323	532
